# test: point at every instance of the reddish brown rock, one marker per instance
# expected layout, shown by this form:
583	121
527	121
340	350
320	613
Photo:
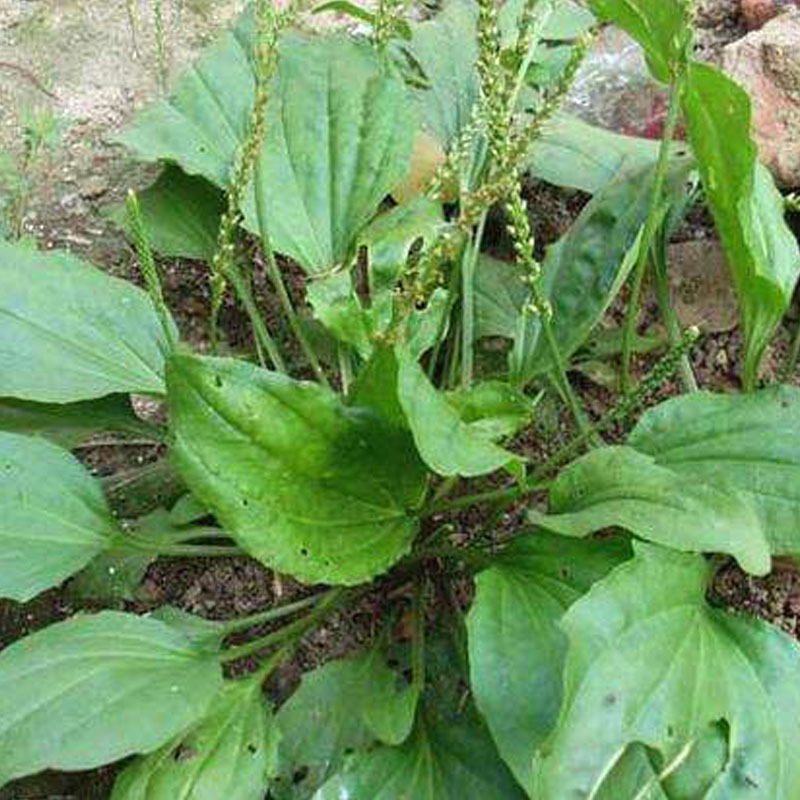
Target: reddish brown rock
700	286
757	13
767	64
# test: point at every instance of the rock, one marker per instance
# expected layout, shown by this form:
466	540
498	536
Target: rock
757	13
767	63
700	286
93	186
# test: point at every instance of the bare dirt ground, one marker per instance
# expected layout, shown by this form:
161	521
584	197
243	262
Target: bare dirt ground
92	64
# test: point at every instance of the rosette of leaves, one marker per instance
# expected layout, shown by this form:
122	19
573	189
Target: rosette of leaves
590	662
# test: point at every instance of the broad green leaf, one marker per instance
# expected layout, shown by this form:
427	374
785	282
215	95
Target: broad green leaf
573	153
493	408
746	443
500	293
342	135
661	27
335	303
428	325
448	445
650	662
70	332
388	241
342	706
516	649
389	703
53	516
585	270
97	688
567	20
228	755
339	136
702	767
446	49
204	634
376	387
561	285
630	775
71	424
762	252
582	272
638	773
443	760
319	723
620	486
337	509
181	215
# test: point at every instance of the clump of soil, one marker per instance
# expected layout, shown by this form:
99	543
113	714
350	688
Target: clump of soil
774	598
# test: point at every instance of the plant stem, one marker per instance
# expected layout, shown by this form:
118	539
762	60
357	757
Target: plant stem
450	372
345	366
541	20
198	532
444	489
566	387
472	556
161	51
291	631
262	335
267	668
792	357
129	5
670	317
269	615
452	291
418	636
468	264
275	276
650	227
508	493
142	545
622	409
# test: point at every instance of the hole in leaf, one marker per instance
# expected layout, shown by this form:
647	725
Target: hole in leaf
300	774
183	752
252	749
303	551
218	381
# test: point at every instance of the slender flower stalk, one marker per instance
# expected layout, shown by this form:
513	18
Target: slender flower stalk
225	262
654	219
147	265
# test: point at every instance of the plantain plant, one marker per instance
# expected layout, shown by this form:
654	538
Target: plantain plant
570	651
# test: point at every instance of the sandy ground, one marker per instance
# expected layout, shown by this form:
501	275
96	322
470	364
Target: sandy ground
92	64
